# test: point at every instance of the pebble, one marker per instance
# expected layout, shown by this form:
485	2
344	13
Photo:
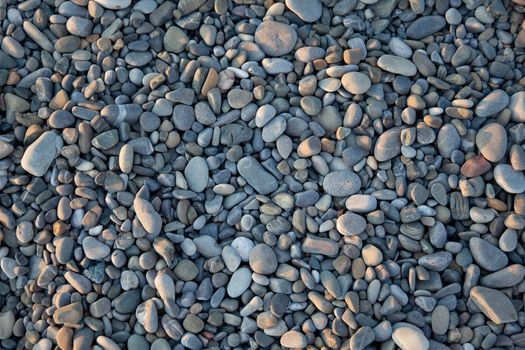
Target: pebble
262	181
356	83
293	339
146	213
262	259
114	4
510	180
175	40
397	65
509	276
486	255
491	141
94	249
517	106
350	224
494	304
39	156
7	322
425	26
275	38
492	104
388	145
409	337
197	174
308	10
341	183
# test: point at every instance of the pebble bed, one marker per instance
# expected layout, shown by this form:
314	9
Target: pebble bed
248	174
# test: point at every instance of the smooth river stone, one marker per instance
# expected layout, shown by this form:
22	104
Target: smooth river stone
263	260
350	224
146	213
491	141
494	304
275	38
509	276
114	4
356	83
261	180
517	107
425	26
397	65
40	154
341	183
486	255
492	104
239	282
197	174
510	180
307	10
388	144
409	337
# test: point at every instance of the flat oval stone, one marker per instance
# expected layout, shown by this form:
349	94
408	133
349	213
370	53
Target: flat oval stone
275	38
341	183
509	276
486	255
356	83
60	119
494	304
350	224
388	144
475	166
510	180
277	65
436	261
261	180
114	4
492	104
491	141
262	259
175	40
94	249
7	321
409	337
397	65
197	174
448	140
293	339
517	106
307	10
425	26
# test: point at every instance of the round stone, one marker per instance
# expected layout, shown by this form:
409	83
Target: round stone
510	180
307	10
275	38
341	183
371	255
356	83
293	340
517	106
197	174
175	40
263	260
94	249
409	337
491	141
351	224
239	282
492	104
